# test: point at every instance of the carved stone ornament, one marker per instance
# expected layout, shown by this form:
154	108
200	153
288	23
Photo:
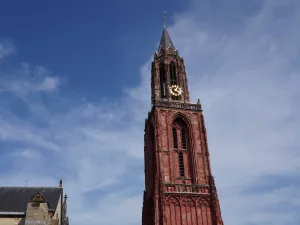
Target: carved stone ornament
172	200
188	201
203	201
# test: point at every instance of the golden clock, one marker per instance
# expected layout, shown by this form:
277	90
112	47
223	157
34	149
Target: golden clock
175	90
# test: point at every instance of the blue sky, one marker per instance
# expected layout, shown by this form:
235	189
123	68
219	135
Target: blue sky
74	93
81	40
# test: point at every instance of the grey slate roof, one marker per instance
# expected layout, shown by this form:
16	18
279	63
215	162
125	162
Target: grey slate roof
165	41
14	199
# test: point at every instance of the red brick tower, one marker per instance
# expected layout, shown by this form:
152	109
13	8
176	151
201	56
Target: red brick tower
179	186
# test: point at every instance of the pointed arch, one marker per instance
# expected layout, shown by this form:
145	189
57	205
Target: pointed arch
182	143
172	200
183	121
183	117
179	131
173	74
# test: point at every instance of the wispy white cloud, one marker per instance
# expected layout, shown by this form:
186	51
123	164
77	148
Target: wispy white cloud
25	133
6	48
28	80
26	153
248	84
247	81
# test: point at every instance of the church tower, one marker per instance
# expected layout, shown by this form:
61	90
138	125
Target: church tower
179	186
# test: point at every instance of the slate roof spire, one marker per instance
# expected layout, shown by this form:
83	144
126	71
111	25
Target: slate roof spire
165	41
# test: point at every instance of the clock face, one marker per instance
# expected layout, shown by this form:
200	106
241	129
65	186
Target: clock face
175	90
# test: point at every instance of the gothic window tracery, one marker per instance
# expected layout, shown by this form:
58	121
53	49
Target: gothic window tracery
180	143
179	131
172	200
187	201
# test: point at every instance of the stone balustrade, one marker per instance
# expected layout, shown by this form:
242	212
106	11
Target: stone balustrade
177	104
186	188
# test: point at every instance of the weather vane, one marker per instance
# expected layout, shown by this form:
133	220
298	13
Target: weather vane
165	17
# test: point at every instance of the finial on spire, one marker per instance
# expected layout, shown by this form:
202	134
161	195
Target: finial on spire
165	41
60	183
165	17
65	197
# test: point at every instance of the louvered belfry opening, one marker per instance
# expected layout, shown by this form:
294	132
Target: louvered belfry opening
181	164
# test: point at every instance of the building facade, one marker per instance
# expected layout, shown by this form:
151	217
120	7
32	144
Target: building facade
33	206
179	186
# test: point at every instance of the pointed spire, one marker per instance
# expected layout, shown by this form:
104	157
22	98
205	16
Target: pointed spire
165	41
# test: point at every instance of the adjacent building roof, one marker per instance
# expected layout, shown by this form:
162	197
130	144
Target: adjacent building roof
165	41
14	199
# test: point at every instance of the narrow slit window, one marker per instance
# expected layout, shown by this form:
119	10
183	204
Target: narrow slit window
181	164
173	74
183	138
162	80
175	140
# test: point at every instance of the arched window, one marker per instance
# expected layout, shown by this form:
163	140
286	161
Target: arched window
181	164
163	85
179	132
173	76
180	143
